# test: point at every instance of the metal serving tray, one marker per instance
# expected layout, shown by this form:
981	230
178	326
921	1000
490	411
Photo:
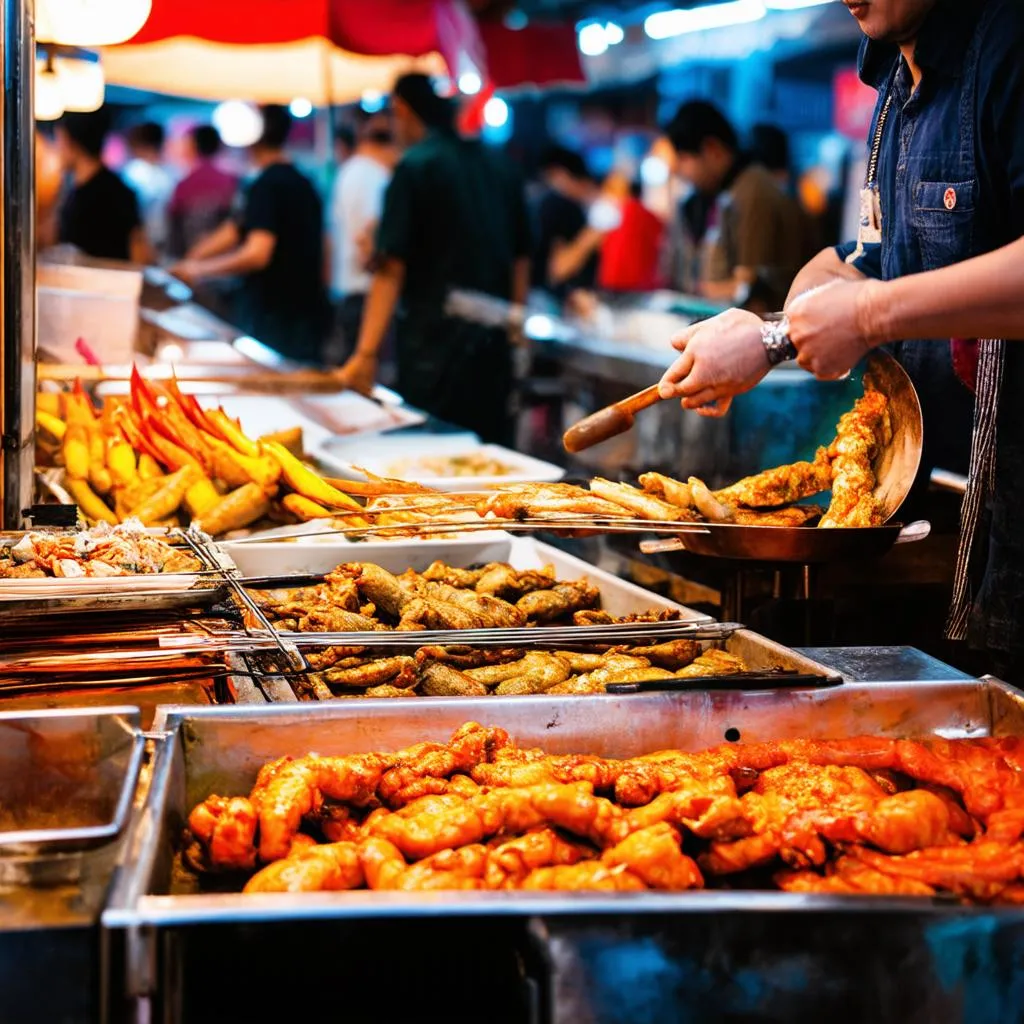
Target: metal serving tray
618	597
220	750
67	778
145	593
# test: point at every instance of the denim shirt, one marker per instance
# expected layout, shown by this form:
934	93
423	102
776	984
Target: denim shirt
951	186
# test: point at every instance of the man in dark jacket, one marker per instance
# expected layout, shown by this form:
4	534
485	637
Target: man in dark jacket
454	217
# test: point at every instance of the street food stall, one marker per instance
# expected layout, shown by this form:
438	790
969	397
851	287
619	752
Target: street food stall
283	668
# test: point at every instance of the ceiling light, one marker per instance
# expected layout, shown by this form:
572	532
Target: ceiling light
90	22
372	101
300	107
82	87
666	24
496	112
240	124
613	33
470	83
592	39
49	103
654	172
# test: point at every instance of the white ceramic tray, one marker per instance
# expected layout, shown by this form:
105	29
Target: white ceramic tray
394	456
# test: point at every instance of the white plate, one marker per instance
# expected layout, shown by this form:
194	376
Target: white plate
618	597
385	455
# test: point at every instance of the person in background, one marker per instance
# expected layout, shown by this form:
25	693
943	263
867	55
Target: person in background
454	217
205	197
770	148
357	200
565	253
100	214
630	255
146	173
275	245
344	144
754	238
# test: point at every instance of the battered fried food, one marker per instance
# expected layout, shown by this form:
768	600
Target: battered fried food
673	491
527	501
858	439
559	602
863	815
646	506
783	485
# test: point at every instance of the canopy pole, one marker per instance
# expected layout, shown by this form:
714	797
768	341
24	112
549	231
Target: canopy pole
17	260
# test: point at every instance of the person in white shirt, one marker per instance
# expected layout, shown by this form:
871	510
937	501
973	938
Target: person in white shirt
153	184
356	203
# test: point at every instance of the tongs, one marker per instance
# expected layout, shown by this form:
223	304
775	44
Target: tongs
770	680
608	422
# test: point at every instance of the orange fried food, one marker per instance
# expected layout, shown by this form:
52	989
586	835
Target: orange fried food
782	485
858	438
510	861
851	877
330	866
588	874
654	855
226	828
980	870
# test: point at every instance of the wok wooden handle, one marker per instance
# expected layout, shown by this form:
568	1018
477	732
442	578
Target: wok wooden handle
609	421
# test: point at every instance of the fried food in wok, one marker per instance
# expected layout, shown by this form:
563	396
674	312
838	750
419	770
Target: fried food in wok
865	815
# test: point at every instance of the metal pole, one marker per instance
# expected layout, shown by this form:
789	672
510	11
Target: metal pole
17	259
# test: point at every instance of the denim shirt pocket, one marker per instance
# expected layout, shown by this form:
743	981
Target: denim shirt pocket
943	216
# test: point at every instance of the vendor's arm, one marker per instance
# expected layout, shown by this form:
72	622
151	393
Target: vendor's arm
395	240
828	266
360	370
569	258
835	326
254	254
219	241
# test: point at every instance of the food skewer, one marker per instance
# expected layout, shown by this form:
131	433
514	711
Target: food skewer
610	421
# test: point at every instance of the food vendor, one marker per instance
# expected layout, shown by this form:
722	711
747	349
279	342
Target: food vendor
454	217
932	198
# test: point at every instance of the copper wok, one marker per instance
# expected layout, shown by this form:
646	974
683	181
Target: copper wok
895	468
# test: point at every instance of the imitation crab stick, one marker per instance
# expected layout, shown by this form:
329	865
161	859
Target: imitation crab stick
302	479
224	426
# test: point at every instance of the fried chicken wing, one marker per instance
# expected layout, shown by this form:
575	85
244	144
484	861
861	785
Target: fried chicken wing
587	875
323	868
637	502
541	606
510	861
530	500
225	828
501	580
654	855
782	485
858	438
673	491
398	671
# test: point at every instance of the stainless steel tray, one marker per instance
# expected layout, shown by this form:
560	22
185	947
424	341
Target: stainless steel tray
67	778
182	590
758	653
221	749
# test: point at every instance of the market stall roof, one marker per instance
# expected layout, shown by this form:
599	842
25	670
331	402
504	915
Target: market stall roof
329	51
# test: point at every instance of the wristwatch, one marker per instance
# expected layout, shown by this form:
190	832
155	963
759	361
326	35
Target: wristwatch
775	338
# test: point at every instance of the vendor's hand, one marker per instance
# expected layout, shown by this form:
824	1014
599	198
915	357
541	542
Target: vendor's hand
720	358
359	373
826	325
186	271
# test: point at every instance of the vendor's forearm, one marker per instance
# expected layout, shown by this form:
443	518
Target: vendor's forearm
521	281
241	261
381	303
219	241
569	259
823	269
979	298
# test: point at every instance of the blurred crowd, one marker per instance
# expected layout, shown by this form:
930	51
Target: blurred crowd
358	278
